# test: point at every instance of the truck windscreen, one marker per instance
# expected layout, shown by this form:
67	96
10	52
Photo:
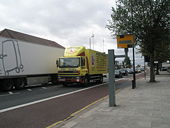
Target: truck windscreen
69	62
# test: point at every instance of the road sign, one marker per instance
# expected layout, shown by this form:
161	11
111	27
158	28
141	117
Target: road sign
125	41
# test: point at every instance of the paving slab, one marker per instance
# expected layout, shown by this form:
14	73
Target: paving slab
147	106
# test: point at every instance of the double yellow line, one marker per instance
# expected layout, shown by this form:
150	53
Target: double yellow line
75	113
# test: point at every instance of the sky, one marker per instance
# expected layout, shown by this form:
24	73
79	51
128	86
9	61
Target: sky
67	22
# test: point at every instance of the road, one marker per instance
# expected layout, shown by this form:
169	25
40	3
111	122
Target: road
34	108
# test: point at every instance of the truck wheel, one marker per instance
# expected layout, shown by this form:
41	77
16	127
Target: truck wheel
7	84
19	83
86	81
101	79
54	79
65	84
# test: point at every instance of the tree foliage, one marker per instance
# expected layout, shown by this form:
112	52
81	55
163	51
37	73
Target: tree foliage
149	20
127	62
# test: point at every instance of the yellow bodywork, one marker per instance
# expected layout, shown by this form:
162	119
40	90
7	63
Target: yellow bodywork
95	62
74	51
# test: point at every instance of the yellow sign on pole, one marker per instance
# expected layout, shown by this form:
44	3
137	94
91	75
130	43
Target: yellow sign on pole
125	41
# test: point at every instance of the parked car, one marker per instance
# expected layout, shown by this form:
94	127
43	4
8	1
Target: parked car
118	74
130	70
137	70
142	69
124	71
163	69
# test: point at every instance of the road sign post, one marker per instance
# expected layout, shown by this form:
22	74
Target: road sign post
128	41
111	65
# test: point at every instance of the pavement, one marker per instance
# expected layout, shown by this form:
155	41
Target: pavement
147	106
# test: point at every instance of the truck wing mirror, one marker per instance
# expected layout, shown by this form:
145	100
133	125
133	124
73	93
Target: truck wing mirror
57	63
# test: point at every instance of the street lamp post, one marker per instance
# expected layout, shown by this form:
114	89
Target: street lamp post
90	42
134	76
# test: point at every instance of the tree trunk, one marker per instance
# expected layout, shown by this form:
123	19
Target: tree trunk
152	73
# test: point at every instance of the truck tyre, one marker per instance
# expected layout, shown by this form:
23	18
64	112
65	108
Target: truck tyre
86	80
19	83
65	84
54	79
1	83
101	79
7	84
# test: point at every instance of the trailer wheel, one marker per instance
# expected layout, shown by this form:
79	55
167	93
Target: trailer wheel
7	84
19	83
54	79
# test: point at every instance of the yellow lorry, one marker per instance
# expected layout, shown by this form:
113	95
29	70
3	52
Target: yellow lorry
81	65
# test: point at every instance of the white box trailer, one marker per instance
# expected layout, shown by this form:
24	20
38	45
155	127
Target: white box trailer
27	60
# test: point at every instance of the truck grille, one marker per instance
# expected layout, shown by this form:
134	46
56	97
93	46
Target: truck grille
67	71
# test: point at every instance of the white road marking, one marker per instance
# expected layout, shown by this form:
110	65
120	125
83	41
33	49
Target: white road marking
29	89
10	92
44	88
5	95
38	101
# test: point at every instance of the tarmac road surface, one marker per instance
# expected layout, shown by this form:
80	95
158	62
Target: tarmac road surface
43	114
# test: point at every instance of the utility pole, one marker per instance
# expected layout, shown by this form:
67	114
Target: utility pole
134	76
90	42
92	37
103	45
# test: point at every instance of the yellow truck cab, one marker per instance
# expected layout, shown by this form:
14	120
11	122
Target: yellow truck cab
81	65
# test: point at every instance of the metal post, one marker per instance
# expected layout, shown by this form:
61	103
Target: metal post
134	76
144	69
111	64
90	42
92	37
103	45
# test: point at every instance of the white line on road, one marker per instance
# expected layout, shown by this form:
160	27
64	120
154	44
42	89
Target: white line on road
38	101
9	94
29	89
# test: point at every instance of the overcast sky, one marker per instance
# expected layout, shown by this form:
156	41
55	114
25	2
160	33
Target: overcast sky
67	22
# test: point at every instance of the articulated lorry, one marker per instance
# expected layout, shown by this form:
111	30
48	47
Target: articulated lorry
27	60
81	65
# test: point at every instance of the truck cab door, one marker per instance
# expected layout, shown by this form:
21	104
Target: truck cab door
83	65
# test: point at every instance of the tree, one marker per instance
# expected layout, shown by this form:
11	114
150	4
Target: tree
148	20
127	62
